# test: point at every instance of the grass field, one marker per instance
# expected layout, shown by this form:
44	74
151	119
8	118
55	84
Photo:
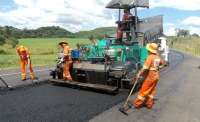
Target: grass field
187	45
43	51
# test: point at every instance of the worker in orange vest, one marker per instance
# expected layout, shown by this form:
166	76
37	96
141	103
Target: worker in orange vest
24	55
126	22
67	60
119	33
126	15
151	72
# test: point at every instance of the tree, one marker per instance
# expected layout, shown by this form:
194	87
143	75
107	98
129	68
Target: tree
91	37
182	33
7	32
2	40
7	37
195	35
12	41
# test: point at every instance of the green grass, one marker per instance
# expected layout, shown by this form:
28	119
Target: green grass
43	51
187	45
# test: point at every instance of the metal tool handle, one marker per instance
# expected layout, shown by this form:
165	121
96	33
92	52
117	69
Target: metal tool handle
125	104
3	81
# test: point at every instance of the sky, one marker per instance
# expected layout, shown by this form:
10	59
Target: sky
76	15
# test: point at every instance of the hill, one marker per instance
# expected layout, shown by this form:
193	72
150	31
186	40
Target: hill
96	32
42	32
56	32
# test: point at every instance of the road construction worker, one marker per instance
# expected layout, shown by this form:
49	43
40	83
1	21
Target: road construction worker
127	15
24	55
150	71
66	60
126	19
126	22
119	34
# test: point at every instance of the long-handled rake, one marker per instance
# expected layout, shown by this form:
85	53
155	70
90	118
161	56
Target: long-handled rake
31	68
4	82
125	107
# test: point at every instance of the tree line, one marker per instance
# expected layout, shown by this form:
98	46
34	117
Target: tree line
185	33
6	37
9	34
42	32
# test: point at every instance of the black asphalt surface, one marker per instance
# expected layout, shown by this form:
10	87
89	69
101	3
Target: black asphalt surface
49	103
13	77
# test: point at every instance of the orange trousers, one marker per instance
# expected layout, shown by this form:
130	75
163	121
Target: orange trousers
66	70
146	93
23	65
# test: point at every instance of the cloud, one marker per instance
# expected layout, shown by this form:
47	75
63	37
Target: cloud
76	15
170	29
194	30
191	5
192	21
73	15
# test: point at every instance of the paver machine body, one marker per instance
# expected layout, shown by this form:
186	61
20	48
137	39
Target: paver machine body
109	64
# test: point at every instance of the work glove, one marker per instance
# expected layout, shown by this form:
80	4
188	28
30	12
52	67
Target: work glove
138	76
134	79
62	60
22	57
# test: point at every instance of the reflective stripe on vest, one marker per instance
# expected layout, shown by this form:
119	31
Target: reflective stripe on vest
151	96
140	98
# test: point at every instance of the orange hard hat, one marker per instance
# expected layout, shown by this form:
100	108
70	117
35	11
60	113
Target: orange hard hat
22	48
63	42
152	47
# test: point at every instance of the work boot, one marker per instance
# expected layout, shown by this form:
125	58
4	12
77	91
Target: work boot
65	79
32	77
23	79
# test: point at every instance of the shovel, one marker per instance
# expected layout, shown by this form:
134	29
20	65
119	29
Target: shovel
31	69
125	107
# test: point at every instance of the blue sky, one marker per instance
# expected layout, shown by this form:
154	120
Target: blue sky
90	14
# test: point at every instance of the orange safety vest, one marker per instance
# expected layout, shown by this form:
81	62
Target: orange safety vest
119	33
126	16
152	64
67	53
23	53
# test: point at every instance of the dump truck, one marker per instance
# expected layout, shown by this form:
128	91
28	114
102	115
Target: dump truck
109	65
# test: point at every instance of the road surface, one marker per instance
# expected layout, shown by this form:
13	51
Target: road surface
13	77
177	93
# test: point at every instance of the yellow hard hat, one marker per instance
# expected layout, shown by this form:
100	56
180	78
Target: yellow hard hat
22	48
63	42
152	47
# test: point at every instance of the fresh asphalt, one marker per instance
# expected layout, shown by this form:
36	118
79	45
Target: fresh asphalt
13	78
178	100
